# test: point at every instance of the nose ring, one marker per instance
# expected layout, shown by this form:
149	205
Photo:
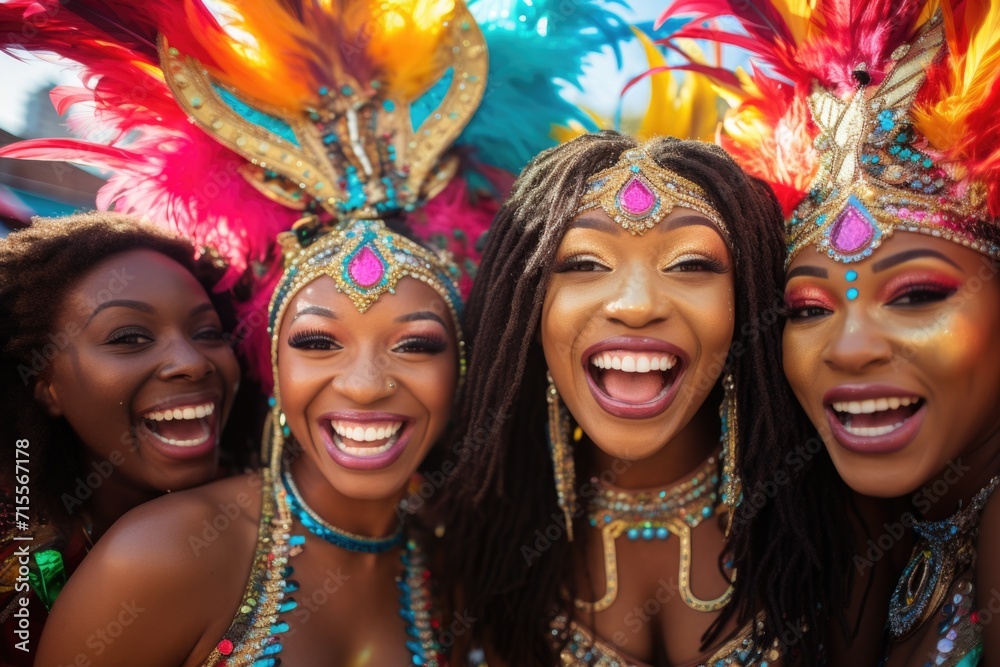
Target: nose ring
392	385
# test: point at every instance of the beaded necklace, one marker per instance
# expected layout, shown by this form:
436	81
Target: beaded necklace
336	536
655	514
416	600
945	549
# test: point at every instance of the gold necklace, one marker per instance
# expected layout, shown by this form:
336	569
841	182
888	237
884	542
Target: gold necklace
656	514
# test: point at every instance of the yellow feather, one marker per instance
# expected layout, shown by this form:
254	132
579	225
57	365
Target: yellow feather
971	78
408	46
688	111
798	16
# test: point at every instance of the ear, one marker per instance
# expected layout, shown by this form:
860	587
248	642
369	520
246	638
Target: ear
46	394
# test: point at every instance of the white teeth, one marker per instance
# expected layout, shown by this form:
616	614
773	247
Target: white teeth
364	451
195	412
870	431
365	433
870	406
634	363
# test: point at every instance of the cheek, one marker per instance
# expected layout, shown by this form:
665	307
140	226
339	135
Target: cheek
299	381
800	351
435	388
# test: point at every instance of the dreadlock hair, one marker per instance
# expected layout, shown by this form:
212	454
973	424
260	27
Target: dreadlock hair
38	266
503	568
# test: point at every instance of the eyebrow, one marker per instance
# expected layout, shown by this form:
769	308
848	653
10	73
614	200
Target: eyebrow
600	224
685	220
422	315
315	310
814	271
907	255
121	303
201	308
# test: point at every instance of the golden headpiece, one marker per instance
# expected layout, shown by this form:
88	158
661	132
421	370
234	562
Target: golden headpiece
887	124
637	193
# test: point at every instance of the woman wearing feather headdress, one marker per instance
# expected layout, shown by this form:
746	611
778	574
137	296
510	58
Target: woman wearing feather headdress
877	125
332	123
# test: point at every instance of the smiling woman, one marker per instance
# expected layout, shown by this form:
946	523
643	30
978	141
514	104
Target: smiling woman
604	513
117	374
891	286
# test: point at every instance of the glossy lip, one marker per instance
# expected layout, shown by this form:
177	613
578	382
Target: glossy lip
145	436
383	460
639	344
876	444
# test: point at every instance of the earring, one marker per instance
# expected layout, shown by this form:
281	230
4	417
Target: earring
562	455
732	491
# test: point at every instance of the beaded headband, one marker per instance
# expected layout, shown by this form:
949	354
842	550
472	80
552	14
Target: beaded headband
367	260
877	174
637	193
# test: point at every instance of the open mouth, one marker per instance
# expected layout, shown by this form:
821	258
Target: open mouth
874	424
875	417
188	426
364	439
633	377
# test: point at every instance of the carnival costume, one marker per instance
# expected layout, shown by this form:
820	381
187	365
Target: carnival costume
874	119
637	194
312	123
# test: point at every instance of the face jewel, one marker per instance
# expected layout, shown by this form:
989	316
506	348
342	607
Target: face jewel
366	268
853	229
636	199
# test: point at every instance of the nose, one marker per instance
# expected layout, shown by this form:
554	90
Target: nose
637	300
364	379
183	360
859	345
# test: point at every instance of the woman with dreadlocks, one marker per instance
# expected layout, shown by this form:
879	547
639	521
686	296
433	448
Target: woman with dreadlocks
627	291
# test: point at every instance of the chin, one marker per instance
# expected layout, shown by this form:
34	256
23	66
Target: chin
885	479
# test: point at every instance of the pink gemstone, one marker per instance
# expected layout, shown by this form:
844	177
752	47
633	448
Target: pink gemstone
852	231
365	268
636	199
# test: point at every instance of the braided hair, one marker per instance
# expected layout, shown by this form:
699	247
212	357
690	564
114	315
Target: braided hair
502	497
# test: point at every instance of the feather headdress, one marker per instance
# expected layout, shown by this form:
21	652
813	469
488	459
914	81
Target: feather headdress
229	122
867	118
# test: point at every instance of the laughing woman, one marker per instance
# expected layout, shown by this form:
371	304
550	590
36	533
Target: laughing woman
117	382
892	287
627	291
344	150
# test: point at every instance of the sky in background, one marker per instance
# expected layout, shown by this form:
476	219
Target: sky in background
20	80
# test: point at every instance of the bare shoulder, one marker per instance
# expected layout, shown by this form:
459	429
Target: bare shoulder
178	562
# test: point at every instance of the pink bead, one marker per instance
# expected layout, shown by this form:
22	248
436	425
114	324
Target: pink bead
365	268
851	232
225	647
636	198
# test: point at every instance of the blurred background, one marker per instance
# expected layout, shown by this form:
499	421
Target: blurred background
29	188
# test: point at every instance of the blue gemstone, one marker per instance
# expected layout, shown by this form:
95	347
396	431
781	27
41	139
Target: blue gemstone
852	293
706	512
662	533
632	534
647	533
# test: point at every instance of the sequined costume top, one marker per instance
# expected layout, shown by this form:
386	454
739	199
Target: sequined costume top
254	636
582	649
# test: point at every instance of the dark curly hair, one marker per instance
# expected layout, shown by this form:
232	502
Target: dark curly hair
38	265
502	491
